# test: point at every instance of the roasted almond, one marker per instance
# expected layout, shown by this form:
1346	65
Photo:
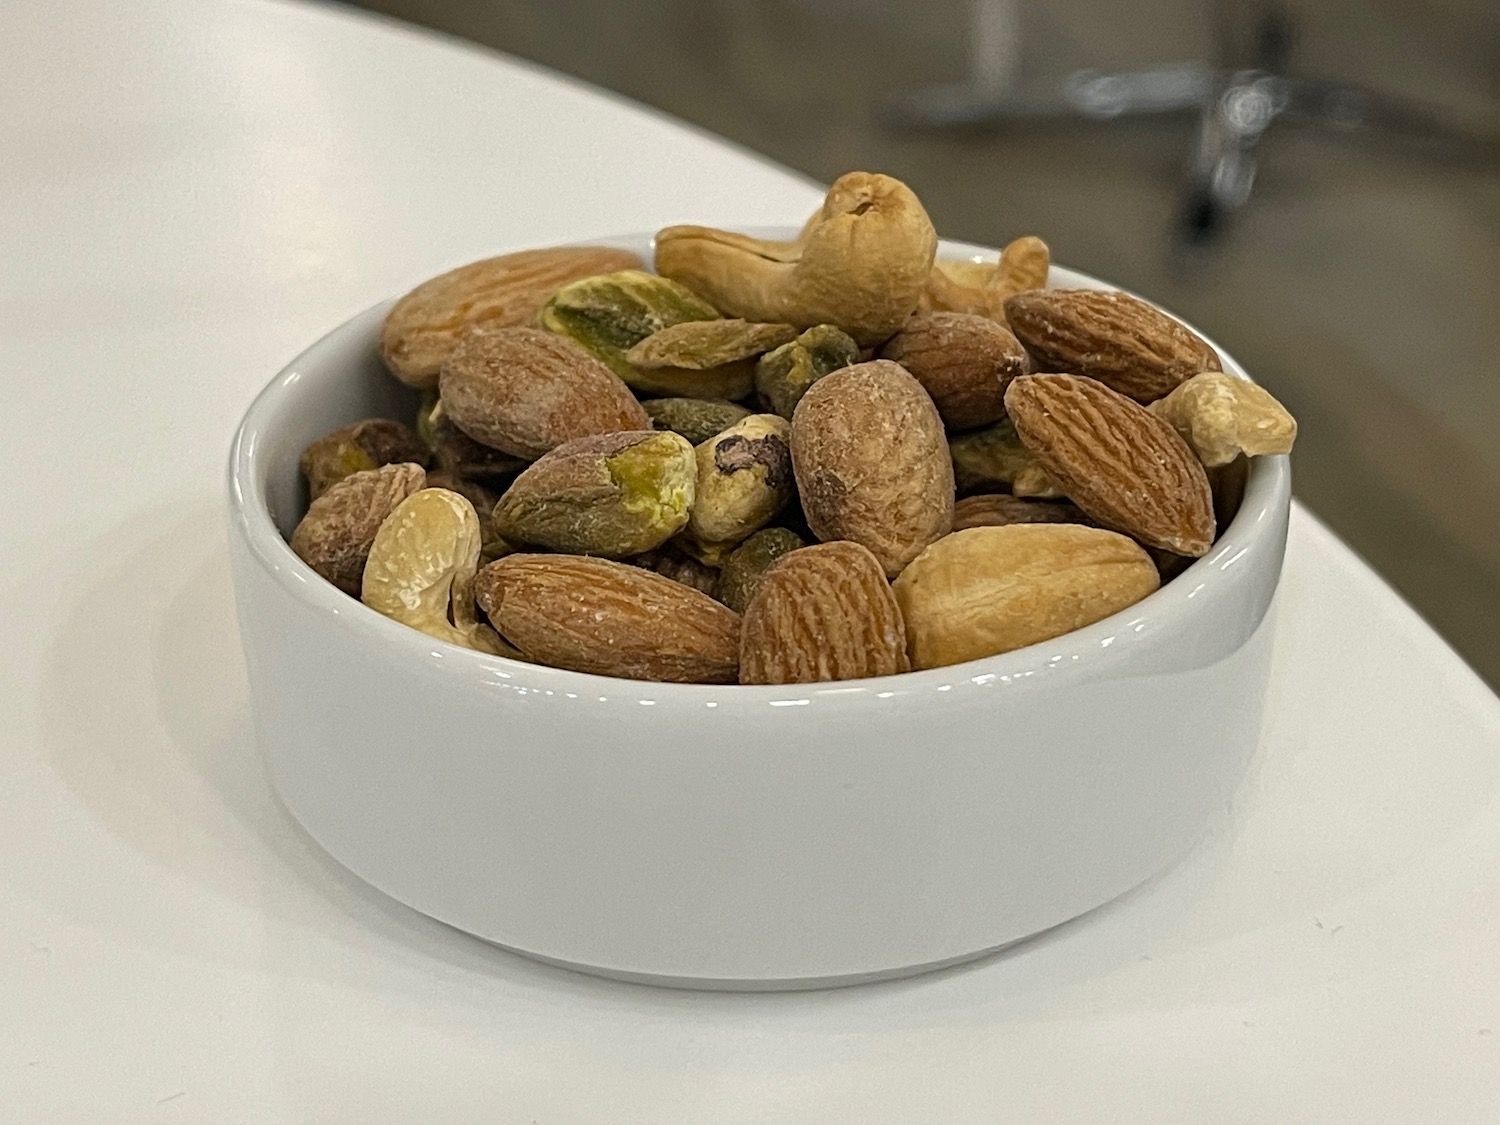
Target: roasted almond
424	327
1120	340
1116	460
335	535
822	613
1000	510
963	361
610	619
525	391
872	462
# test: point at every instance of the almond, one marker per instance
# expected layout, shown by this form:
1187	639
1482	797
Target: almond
1116	460
963	361
1120	340
988	590
822	613
424	327
609	619
525	391
335	535
872	462
1000	510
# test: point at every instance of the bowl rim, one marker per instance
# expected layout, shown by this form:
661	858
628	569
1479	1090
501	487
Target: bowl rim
1081	652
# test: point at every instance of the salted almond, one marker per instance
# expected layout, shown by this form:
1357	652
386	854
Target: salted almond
872	462
1116	460
988	590
822	613
424	327
609	618
525	391
963	361
1120	340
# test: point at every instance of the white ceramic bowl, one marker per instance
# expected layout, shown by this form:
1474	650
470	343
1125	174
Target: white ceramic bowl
748	837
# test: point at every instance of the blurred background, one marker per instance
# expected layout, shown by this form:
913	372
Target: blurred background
1359	278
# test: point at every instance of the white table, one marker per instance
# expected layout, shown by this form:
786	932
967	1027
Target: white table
189	192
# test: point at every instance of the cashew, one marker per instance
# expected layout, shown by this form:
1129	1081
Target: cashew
421	569
1221	417
861	263
981	288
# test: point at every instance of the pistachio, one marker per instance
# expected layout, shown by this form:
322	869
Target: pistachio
751	559
357	448
696	419
454	451
783	376
422	566
612	495
711	555
701	344
334	536
613	312
744	479
670	561
1036	483
427	412
861	262
707	358
988	460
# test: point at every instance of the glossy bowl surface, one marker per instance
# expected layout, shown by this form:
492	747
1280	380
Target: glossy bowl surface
743	837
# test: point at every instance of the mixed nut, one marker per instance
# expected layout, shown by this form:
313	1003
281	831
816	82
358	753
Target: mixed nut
778	462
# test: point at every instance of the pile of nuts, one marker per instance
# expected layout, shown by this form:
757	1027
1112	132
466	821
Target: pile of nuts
747	466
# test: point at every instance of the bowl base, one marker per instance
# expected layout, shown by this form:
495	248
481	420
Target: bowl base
792	984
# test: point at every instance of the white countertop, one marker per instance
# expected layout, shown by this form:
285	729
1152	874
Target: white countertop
192	191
